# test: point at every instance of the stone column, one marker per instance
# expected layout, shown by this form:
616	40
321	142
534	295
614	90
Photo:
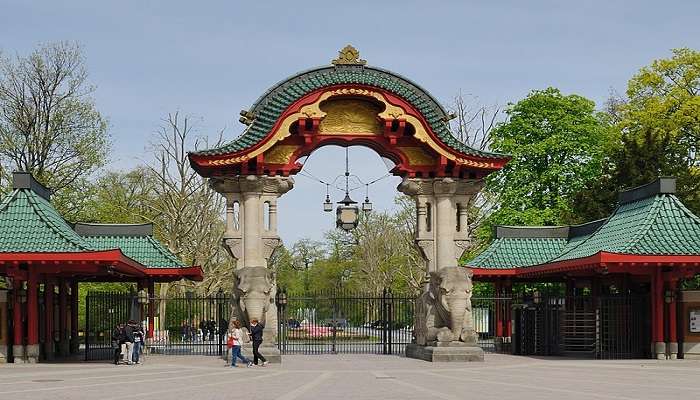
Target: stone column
74	339
151	308
3	326
251	242
441	211
444	328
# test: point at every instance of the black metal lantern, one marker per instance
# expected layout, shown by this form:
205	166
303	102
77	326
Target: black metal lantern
347	214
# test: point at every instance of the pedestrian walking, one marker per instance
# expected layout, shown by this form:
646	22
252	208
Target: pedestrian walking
235	339
118	340
256	335
139	341
128	347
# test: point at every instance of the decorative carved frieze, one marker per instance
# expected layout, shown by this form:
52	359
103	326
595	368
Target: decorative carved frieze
252	184
270	244
436	186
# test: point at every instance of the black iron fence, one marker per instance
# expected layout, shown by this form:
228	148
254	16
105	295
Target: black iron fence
604	327
182	325
339	322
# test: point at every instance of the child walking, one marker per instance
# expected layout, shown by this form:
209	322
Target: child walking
236	340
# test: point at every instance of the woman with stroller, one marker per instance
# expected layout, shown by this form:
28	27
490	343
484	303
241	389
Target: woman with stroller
235	340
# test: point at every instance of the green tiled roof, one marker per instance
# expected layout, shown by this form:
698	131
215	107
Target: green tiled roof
655	225
649	220
29	223
506	253
268	108
143	248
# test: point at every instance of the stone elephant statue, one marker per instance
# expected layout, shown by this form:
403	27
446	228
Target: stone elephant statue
443	312
254	298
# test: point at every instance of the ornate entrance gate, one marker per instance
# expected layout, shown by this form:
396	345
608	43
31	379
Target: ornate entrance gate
184	325
331	323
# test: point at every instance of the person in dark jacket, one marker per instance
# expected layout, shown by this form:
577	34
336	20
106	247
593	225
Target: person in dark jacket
256	336
117	342
129	341
139	342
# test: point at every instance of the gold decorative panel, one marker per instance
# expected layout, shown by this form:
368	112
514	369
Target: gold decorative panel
350	116
417	156
280	154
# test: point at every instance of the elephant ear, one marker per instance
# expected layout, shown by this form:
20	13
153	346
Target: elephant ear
469	272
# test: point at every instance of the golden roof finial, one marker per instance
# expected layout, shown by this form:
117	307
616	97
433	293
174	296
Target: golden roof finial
348	56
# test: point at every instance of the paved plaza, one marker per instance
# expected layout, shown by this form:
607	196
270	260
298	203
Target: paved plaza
351	377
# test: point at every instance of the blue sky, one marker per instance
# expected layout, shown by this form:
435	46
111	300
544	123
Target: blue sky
210	59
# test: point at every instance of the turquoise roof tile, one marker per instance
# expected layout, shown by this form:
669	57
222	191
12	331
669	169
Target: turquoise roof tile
268	108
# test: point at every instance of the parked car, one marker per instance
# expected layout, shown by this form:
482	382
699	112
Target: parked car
338	323
292	323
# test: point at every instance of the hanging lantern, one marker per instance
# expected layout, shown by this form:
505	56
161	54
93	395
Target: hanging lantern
347	214
327	204
366	206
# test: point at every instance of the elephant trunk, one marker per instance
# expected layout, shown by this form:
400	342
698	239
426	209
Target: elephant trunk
458	307
255	306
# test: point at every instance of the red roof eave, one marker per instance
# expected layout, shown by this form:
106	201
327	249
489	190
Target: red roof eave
194	273
598	260
114	258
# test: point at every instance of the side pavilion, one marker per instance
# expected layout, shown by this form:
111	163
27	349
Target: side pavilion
43	258
649	243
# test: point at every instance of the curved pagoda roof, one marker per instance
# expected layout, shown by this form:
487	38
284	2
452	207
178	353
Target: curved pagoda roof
33	231
348	69
649	223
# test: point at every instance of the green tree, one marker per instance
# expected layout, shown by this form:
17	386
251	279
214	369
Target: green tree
659	128
49	124
558	144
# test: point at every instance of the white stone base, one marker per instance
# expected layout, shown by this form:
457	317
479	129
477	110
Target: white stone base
673	350
445	353
271	353
660	350
32	353
3	353
18	353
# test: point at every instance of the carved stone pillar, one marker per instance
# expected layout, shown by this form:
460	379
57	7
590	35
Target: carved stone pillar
443	321
441	211
248	237
251	238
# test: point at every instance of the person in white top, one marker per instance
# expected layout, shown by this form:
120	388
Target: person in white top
236	340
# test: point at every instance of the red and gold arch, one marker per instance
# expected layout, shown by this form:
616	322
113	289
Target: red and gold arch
348	114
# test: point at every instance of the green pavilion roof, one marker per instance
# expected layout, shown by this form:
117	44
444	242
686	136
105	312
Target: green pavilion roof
135	240
268	108
523	246
649	220
29	223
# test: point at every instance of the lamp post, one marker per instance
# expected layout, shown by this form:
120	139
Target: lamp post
281	301
190	327
142	298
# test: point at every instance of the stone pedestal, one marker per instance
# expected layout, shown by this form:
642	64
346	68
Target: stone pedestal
3	353
270	352
32	353
18	354
445	353
660	350
673	350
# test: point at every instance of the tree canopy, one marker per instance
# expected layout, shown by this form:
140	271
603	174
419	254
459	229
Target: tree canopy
558	143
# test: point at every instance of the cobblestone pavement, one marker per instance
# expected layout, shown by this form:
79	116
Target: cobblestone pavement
354	377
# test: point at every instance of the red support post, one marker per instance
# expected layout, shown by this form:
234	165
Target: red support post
49	288
498	289
508	295
32	317
151	308
672	320
657	300
74	299
18	325
63	346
